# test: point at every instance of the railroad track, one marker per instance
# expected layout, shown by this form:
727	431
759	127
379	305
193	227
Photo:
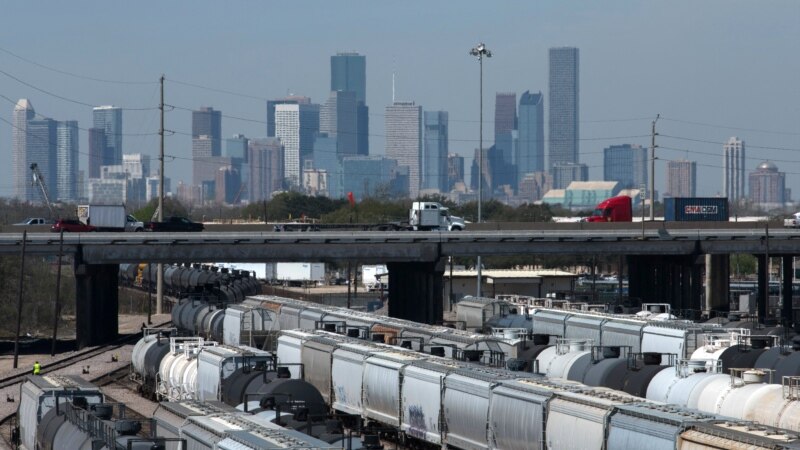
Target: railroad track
78	356
5	421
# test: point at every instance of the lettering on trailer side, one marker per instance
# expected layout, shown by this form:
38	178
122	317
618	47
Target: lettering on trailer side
700	209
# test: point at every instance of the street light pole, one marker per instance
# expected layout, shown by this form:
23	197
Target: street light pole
480	52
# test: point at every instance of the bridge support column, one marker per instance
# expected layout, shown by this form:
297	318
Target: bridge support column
717	283
415	291
665	279
96	303
787	310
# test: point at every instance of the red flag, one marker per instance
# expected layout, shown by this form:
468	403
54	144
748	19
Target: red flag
351	199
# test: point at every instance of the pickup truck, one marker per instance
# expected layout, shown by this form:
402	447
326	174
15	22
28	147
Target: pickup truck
174	223
35	221
794	222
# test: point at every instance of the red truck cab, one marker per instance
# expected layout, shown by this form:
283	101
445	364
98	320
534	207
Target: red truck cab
614	209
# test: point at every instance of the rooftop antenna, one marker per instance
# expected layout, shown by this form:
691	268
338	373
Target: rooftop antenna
394	69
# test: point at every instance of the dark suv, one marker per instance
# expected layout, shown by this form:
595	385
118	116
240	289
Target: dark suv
71	226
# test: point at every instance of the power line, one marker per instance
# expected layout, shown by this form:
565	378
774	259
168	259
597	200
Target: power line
61	97
726	127
64	72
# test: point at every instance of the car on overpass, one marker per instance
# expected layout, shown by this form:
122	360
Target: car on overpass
174	223
71	226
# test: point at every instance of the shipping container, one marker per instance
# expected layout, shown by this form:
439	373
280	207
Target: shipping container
302	272
696	209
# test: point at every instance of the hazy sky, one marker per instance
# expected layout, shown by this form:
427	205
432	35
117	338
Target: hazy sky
712	69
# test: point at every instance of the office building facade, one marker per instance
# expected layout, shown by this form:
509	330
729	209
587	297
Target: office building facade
67	160
767	186
271	104
109	119
563	106
529	155
266	176
296	126
681	179
338	118
505	122
626	164
434	169
566	173
404	140
23	113
349	73
733	167
41	149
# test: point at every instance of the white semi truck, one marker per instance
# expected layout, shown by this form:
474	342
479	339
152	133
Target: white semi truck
423	216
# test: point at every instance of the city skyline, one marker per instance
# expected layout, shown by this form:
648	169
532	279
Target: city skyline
616	77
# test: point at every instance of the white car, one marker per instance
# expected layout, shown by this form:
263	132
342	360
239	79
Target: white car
35	221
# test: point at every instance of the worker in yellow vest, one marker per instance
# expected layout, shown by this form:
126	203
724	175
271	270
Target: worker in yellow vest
37	368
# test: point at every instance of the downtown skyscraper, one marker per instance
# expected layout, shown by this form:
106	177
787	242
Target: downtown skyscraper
349	73
41	150
23	113
434	169
625	164
67	161
529	155
296	125
109	119
563	122
338	118
681	178
404	140
207	121
505	122
733	173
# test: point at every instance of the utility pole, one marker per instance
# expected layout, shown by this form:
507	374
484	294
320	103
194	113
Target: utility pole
160	267
653	135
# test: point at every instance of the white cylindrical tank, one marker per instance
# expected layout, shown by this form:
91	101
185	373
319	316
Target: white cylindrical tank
711	394
661	384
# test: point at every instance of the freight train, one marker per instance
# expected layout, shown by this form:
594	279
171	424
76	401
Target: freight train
67	412
219	285
312	354
71	413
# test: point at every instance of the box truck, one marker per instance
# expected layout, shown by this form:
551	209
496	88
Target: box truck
108	218
375	277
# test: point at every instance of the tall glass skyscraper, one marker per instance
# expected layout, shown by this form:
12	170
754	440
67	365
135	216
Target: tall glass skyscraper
505	122
109	119
681	178
67	160
434	168
733	170
208	122
404	140
338	118
564	113
41	149
295	126
530	144
349	73
23	113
